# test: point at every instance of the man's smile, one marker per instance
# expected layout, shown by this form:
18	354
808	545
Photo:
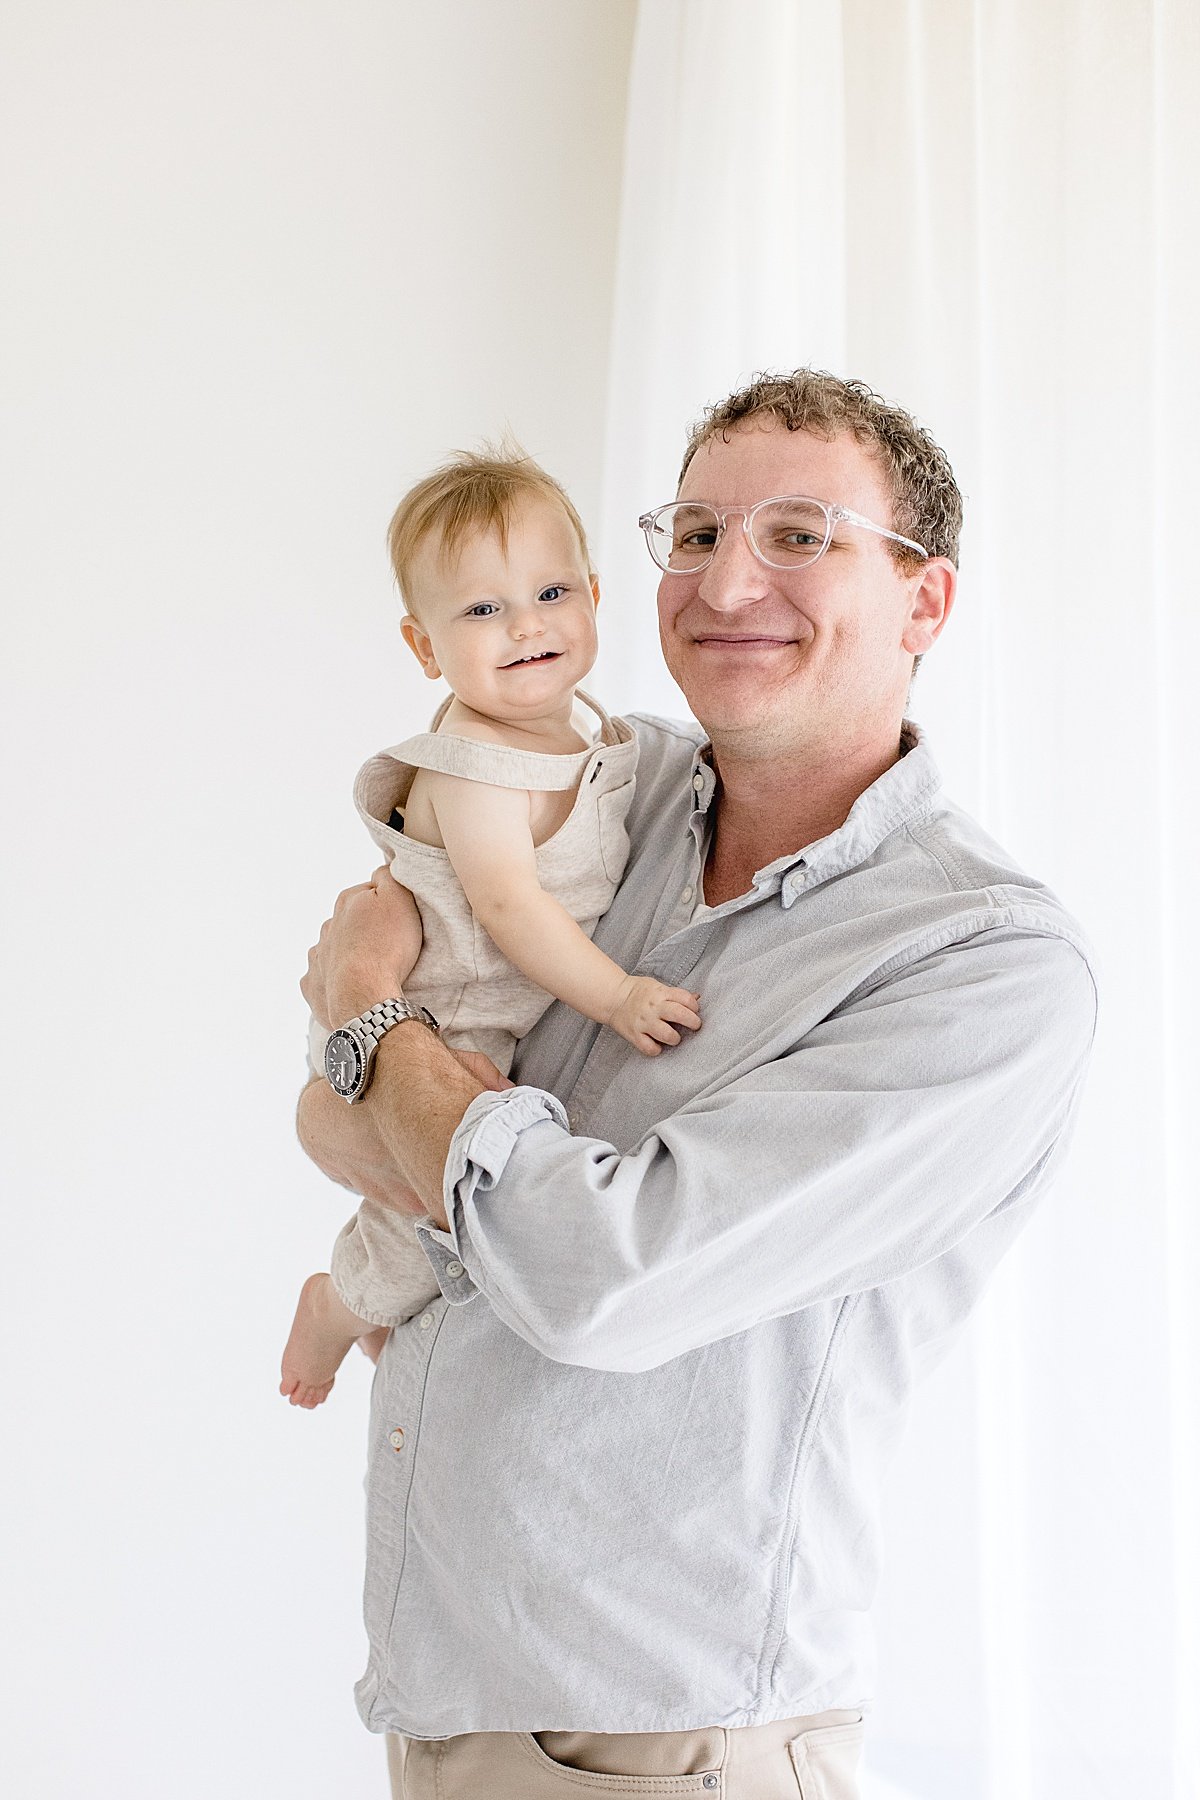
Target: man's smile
719	640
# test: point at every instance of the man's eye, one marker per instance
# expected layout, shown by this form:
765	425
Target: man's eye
554	592
703	538
790	541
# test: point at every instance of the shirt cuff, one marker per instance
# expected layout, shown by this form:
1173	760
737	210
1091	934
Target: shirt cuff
479	1151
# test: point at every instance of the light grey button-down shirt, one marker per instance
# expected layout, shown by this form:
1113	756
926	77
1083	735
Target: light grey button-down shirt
624	1474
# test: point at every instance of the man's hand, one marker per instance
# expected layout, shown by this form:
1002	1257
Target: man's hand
365	952
483	1069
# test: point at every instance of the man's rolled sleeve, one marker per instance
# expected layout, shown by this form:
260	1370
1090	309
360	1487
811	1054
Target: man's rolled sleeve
479	1154
868	1148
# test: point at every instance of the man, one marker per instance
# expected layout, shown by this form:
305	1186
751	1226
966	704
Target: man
624	1474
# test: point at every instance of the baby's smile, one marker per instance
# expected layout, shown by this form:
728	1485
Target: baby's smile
534	656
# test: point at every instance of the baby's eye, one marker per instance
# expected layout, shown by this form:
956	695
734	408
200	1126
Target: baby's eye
483	610
554	592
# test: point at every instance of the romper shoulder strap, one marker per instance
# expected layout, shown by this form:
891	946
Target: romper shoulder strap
500	765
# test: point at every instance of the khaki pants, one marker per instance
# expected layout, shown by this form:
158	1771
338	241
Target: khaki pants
813	1758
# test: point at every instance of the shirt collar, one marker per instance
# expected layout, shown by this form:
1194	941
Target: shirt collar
901	793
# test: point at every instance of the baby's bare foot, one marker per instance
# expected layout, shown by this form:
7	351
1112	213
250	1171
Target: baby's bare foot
322	1332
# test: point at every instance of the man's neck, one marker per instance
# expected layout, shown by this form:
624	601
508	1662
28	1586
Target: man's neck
773	807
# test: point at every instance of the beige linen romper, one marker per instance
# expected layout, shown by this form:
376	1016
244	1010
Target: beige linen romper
480	999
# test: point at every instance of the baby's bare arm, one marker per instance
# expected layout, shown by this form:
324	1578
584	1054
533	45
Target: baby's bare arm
487	834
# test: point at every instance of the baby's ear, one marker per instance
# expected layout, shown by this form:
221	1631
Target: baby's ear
595	590
420	645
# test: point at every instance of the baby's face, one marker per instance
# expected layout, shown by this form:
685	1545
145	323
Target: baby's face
512	630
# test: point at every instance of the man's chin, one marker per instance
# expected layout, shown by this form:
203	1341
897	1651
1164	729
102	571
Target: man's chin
740	696
751	719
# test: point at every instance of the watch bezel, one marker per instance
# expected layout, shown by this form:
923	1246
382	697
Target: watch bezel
358	1081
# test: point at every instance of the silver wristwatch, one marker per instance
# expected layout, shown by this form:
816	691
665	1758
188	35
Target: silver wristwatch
350	1051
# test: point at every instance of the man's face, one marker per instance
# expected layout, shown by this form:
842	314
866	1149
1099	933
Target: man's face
774	659
511	629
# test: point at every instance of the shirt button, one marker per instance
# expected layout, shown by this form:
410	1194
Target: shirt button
688	892
425	1321
396	1439
455	1269
698	783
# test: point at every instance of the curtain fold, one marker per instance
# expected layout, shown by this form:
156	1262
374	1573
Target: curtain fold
1175	211
732	230
989	212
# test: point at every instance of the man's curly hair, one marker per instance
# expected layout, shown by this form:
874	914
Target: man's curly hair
926	503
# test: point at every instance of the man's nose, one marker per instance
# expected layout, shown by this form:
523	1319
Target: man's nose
735	576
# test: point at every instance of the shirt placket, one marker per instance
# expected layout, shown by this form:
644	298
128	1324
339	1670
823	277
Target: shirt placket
667	962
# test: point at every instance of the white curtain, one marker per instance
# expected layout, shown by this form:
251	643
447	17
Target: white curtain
989	212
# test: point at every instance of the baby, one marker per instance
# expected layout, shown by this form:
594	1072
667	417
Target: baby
507	822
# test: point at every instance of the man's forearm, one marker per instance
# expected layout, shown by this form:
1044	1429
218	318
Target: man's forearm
342	1141
418	1094
393	1145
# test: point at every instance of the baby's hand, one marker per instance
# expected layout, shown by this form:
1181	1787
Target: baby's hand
648	1012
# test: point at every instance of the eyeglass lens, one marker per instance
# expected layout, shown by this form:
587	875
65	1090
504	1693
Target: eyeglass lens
786	534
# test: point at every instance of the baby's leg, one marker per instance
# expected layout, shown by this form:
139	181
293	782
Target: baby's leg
380	1278
322	1332
378	1268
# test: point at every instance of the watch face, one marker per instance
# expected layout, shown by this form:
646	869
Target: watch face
343	1062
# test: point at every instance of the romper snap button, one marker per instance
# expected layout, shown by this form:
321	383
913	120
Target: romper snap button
712	1781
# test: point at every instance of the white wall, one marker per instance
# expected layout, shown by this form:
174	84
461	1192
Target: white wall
268	262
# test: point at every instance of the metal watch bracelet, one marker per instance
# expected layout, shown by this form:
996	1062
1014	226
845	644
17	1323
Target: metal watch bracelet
350	1049
380	1018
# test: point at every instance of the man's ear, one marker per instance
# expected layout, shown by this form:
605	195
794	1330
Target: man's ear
932	599
418	642
595	590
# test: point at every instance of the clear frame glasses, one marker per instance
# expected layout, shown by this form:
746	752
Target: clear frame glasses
786	532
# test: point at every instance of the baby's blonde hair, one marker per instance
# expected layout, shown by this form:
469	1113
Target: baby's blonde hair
476	491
